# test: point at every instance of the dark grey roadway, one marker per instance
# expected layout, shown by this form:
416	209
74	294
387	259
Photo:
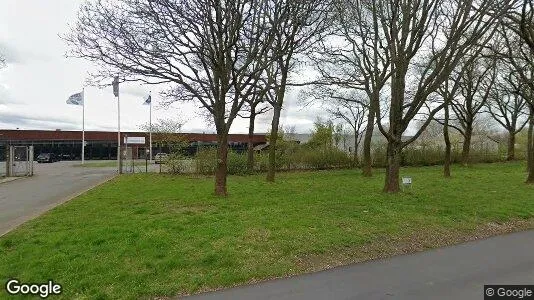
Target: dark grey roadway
52	184
457	272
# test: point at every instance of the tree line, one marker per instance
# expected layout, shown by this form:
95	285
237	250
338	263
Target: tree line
383	64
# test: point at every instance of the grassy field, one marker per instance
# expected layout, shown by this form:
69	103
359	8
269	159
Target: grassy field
148	235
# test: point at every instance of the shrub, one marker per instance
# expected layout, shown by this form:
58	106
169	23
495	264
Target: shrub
323	158
261	161
175	163
434	155
206	161
237	163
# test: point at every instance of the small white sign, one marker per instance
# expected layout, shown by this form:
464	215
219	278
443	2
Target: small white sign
134	140
407	180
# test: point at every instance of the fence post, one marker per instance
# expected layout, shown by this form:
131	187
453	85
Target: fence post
10	161
30	160
7	159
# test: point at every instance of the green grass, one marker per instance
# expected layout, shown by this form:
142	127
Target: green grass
147	235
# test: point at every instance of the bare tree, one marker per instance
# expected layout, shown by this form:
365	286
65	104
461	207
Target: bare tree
254	106
425	40
352	58
447	97
516	30
508	107
301	23
476	82
526	31
205	49
526	25
448	92
167	133
353	111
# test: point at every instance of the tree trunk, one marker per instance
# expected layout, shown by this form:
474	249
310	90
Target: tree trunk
250	145
467	144
446	137
272	143
367	159
355	159
394	151
222	166
511	146
530	154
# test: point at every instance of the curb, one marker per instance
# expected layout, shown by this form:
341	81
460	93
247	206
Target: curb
9	179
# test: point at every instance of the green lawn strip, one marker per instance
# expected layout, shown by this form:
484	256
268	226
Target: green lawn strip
147	235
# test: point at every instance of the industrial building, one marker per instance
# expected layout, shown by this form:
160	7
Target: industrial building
103	144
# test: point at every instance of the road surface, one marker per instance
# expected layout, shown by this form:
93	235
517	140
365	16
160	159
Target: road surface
457	272
52	184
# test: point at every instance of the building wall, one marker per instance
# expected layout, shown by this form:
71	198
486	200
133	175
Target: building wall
103	145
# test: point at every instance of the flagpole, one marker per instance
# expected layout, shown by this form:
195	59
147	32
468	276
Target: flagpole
150	121
83	125
119	134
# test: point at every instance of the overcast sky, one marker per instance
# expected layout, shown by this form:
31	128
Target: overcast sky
39	78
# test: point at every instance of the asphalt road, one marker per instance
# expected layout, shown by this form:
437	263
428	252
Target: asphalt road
52	184
457	272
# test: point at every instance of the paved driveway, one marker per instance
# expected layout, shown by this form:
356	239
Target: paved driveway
457	272
52	184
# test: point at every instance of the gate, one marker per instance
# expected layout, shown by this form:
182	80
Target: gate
3	155
132	164
19	161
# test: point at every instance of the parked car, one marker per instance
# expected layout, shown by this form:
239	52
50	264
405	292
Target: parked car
161	158
46	158
66	157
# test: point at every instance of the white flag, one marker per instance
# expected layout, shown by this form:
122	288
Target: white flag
76	99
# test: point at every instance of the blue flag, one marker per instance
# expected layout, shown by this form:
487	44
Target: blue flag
148	100
116	86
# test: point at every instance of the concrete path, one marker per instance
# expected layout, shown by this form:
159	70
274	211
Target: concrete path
52	184
457	272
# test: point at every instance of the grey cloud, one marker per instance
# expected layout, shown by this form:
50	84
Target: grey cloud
15	55
18	120
10	120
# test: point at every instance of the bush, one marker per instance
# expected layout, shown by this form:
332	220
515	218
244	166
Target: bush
237	163
434	155
323	158
206	161
175	163
261	161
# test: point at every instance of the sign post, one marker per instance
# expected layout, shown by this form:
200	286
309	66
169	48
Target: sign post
407	182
